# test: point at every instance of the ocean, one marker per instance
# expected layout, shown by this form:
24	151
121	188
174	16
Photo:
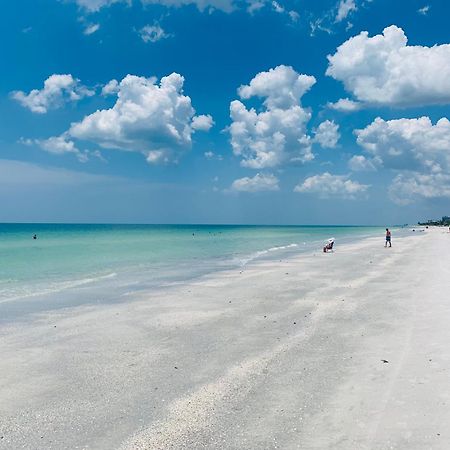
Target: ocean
77	264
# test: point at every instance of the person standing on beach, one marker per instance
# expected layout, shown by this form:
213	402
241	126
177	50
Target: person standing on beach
388	238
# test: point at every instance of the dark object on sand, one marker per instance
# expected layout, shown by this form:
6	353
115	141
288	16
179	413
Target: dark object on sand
385	361
328	247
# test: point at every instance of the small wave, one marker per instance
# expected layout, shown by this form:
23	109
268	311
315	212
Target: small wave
35	291
283	247
260	253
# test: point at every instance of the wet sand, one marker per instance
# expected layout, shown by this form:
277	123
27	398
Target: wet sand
348	350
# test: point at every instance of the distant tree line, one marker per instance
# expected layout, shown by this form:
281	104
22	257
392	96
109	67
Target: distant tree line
445	221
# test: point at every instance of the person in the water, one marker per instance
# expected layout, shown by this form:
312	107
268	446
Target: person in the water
34	236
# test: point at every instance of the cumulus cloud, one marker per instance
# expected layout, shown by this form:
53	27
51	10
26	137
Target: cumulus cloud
327	185
344	105
278	133
359	163
110	88
154	119
260	182
384	70
414	148
281	87
58	89
345	7
408	144
153	33
327	134
57	145
202	122
408	187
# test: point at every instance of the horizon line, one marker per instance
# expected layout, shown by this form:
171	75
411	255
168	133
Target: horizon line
202	224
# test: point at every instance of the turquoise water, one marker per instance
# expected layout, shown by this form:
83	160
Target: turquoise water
127	258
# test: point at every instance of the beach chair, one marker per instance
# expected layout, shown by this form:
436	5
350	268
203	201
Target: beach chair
328	247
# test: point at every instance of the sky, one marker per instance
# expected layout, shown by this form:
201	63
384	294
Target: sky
225	111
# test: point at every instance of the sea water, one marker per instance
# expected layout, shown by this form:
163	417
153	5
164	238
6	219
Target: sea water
83	262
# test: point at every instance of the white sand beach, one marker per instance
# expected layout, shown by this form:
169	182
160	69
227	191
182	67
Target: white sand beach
346	350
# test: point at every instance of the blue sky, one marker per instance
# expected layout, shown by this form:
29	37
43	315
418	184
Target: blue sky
222	111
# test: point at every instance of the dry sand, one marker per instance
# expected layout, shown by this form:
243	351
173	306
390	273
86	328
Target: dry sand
285	355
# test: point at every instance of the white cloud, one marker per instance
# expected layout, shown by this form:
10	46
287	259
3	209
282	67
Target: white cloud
277	7
91	28
57	145
110	88
255	5
92	6
408	144
227	6
359	163
327	134
281	87
260	182
327	185
151	118
202	5
319	25
416	149
277	134
58	89
344	105
294	15
153	33
327	19
407	187
424	10
202	122
96	5
384	70
344	9
211	156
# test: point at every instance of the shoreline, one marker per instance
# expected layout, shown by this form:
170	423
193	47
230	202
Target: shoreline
88	286
278	356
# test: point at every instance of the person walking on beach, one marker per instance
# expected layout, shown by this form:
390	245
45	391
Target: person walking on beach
388	238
